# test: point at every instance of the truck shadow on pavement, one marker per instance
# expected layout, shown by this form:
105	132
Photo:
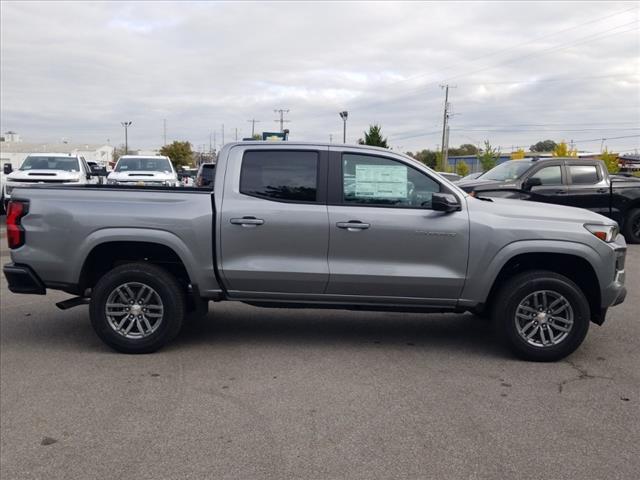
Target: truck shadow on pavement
318	328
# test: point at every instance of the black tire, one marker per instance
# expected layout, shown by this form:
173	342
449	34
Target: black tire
631	230
169	292
518	288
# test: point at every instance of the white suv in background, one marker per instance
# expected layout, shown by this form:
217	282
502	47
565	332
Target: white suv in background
52	168
143	170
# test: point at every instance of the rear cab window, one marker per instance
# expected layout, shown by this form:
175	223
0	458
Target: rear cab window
584	174
280	175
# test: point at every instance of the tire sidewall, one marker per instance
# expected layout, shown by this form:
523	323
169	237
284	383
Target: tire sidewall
628	226
155	278
581	320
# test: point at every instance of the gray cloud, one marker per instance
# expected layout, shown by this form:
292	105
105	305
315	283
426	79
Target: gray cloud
524	71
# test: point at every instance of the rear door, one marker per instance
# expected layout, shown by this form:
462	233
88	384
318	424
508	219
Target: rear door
274	226
385	240
588	187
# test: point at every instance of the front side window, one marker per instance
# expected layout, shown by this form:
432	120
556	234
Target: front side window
280	175
549	175
584	174
379	181
69	164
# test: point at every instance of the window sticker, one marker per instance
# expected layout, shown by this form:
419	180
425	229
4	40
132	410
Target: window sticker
381	181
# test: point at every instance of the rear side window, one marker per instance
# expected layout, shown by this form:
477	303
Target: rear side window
280	175
584	174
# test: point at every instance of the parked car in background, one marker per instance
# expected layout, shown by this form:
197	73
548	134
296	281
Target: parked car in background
206	175
317	225
48	168
471	176
571	181
187	177
150	171
452	177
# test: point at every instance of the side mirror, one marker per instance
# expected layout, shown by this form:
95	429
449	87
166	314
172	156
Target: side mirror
7	169
531	182
445	202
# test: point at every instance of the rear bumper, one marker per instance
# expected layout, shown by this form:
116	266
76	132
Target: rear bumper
22	279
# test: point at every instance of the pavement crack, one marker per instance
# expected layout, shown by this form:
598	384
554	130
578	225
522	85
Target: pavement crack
582	374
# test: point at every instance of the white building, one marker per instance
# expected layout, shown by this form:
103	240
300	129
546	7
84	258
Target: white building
15	152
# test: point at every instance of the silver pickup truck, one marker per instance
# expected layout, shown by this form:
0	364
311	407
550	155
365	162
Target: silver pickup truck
316	225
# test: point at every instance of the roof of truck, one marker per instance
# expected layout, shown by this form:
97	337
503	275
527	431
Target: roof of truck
309	144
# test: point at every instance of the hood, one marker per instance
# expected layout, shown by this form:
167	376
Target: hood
522	210
480	184
42	175
142	175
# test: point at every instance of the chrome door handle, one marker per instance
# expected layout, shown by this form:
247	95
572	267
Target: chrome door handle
247	221
353	225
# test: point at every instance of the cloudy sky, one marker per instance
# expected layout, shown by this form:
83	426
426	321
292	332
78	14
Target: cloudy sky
523	71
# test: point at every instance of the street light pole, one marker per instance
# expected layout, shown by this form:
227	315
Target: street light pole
126	136
343	116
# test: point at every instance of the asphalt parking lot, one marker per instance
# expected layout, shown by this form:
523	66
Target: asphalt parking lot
253	393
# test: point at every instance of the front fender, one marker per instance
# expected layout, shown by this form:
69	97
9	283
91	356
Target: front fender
483	274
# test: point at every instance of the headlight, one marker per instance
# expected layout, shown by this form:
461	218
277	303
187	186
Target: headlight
606	233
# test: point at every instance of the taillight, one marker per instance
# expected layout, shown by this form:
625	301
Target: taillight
15	232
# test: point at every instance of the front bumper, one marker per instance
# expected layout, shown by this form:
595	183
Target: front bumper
22	279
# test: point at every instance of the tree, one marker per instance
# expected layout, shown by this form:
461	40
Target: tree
563	150
518	154
180	154
488	157
256	136
462	168
374	137
464	149
543	146
428	157
117	153
610	159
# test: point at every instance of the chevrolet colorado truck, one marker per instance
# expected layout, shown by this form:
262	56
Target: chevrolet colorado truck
575	182
295	225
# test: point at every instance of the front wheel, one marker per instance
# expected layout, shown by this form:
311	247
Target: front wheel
137	308
542	316
631	229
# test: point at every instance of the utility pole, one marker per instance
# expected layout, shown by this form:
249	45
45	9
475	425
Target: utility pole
215	141
281	119
210	142
223	134
343	116
445	127
253	126
330	138
236	137
126	136
164	131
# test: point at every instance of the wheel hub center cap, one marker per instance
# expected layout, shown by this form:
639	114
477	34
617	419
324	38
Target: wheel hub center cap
542	317
136	309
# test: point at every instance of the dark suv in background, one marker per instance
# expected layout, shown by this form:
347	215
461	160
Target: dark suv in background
206	175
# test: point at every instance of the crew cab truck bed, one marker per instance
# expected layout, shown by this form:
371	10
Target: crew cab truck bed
317	225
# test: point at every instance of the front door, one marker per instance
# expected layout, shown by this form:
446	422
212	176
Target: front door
274	227
385	240
553	188
588	188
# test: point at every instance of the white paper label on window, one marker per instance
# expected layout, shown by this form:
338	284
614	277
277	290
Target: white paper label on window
381	181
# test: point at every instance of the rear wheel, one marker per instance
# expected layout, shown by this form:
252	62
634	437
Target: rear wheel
542	316
137	308
631	229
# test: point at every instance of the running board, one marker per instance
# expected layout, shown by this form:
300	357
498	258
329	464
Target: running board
73	302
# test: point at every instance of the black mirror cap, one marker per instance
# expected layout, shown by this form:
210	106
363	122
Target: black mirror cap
7	169
445	202
532	182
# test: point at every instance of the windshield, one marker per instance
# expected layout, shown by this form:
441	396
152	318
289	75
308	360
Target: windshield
69	164
507	171
143	164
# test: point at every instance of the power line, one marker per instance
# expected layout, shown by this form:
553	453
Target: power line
281	119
